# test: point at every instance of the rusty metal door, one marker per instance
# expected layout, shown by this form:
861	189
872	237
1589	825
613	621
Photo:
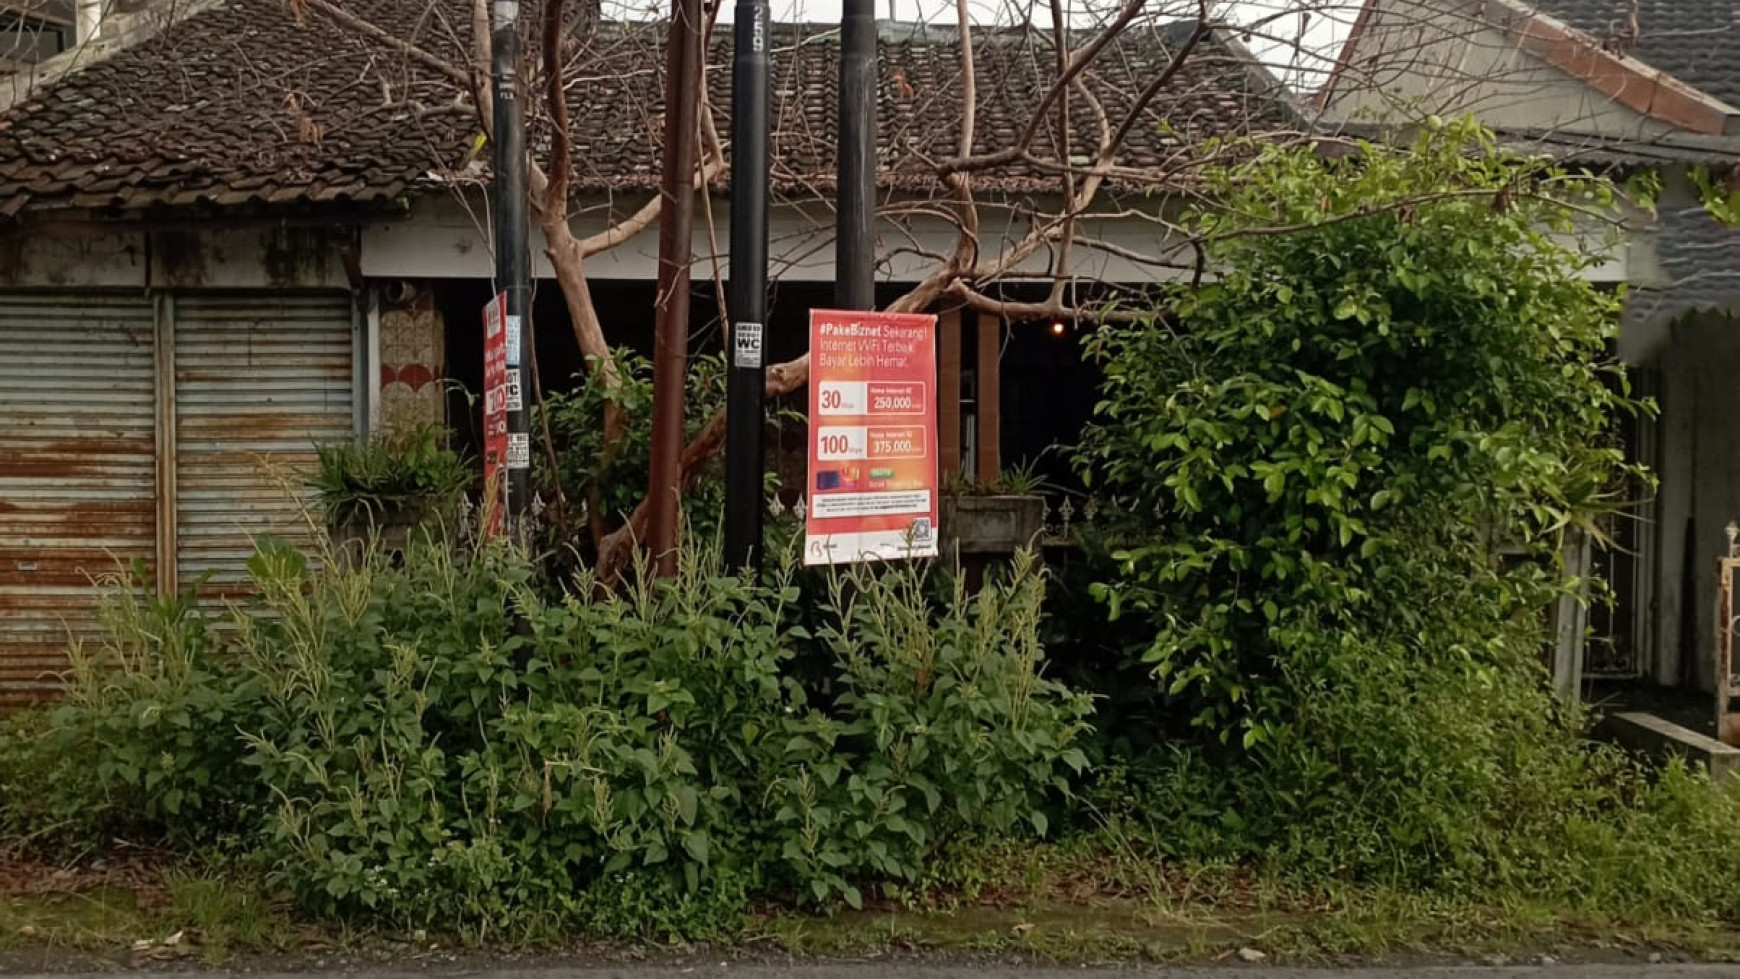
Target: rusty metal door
77	471
260	380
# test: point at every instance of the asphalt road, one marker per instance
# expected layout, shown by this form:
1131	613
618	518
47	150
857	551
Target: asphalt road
896	970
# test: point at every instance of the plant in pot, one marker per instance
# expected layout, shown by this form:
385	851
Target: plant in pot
376	491
996	517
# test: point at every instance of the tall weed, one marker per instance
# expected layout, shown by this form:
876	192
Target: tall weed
142	744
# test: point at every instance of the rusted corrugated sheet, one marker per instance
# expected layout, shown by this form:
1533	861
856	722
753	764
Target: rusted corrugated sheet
77	478
259	382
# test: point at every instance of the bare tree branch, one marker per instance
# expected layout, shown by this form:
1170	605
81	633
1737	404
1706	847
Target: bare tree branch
349	21
482	57
1060	41
1048	310
967	243
556	100
1164	78
1079	61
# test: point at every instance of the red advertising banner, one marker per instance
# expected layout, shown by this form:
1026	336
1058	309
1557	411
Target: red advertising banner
495	419
873	446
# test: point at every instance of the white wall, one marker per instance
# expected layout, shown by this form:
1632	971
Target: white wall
441	238
444	239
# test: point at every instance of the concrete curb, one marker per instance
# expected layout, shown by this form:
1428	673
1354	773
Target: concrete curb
1654	736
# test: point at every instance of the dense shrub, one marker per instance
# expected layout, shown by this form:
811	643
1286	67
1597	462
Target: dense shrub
1397	370
143	745
440	743
944	729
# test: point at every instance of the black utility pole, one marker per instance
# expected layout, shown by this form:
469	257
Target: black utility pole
854	241
509	187
746	382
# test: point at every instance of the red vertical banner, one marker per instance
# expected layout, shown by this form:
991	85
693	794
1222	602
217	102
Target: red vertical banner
495	418
872	493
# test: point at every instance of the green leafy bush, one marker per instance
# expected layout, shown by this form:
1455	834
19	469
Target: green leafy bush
436	742
615	480
1397	370
944	729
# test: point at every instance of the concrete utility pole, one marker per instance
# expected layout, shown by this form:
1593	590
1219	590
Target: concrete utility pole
676	245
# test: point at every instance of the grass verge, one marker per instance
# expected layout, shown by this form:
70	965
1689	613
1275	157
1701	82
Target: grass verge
1099	901
1086	902
156	914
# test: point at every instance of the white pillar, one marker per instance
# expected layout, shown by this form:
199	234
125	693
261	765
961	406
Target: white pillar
90	20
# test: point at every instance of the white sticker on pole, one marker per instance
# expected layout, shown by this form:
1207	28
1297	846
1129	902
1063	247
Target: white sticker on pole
746	344
513	341
515	400
519	451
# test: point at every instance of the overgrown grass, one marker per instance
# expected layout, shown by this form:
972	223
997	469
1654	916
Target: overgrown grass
1097	898
230	915
202	916
1107	897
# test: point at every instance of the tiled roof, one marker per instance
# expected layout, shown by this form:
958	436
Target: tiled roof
1695	41
248	103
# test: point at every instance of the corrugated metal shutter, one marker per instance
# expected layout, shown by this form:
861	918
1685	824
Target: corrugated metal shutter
77	471
259	382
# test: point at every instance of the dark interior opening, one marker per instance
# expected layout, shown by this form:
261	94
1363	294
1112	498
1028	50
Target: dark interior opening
1048	389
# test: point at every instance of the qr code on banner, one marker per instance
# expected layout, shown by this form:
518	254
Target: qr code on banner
921	530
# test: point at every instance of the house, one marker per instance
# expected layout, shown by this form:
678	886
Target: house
1647	91
252	228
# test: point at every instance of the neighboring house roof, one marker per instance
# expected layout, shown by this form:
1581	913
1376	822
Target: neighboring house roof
248	103
1673	63
1594	58
1696	41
